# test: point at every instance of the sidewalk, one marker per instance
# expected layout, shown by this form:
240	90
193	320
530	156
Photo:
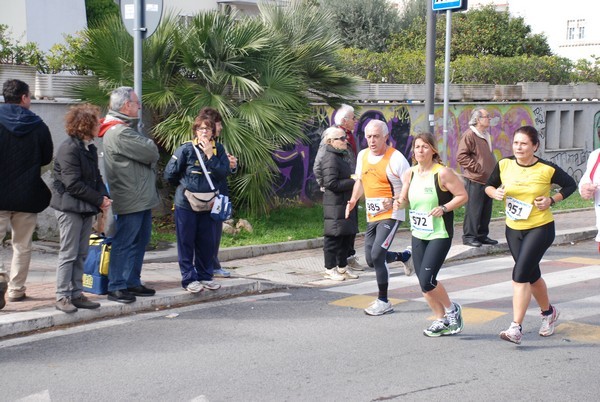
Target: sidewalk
255	269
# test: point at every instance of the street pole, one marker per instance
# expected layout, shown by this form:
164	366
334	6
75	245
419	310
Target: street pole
430	69
446	85
138	31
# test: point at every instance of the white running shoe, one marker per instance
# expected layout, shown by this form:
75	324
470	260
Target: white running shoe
194	287
513	333
548	321
210	285
347	272
379	307
334	275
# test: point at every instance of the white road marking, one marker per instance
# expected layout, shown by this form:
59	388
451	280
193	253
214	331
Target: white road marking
456	271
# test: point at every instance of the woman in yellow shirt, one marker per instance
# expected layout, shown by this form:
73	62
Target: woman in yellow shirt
524	182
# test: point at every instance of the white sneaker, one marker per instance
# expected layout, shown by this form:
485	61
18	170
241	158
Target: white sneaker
354	264
347	273
194	287
334	275
513	334
211	285
409	266
548	321
379	307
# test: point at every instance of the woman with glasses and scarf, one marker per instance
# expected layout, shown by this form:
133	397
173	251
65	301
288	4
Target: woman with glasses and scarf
338	184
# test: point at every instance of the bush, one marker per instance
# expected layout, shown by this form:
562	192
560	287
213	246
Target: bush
64	57
409	68
13	52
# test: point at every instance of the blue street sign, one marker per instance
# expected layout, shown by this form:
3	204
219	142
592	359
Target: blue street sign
443	5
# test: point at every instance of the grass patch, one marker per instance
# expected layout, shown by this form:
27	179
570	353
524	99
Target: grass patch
288	223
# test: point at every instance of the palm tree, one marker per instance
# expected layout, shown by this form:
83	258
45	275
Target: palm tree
260	73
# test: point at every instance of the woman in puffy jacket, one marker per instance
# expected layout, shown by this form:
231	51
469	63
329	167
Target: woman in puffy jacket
78	194
338	184
196	229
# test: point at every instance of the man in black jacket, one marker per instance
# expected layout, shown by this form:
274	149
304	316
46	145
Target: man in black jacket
25	146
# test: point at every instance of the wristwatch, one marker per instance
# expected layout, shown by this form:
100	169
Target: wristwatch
444	208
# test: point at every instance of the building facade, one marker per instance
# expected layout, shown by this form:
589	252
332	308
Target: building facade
572	28
44	22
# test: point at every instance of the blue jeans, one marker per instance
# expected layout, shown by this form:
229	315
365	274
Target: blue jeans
128	248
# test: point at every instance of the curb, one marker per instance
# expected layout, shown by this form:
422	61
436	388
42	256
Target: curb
19	323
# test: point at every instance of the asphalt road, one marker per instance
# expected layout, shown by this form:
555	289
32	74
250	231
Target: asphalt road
309	344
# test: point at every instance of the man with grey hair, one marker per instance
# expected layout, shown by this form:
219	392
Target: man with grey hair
379	170
345	119
130	159
477	161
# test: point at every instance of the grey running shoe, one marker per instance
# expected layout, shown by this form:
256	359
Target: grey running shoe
437	328
548	321
513	333
455	320
379	307
354	264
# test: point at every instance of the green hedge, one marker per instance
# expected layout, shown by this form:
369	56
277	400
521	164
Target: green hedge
409	68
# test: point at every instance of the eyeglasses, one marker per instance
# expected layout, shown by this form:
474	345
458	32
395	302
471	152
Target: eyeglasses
344	138
485	117
203	129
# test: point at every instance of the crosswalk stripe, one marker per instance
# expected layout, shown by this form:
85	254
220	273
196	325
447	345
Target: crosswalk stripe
504	289
571	310
401	281
575	309
361	301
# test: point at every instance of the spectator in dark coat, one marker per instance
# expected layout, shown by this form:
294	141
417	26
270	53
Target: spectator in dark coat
78	194
338	184
25	146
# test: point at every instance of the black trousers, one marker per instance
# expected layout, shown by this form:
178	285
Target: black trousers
335	250
478	212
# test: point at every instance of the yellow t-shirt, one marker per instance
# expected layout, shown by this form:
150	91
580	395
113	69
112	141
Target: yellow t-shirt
523	184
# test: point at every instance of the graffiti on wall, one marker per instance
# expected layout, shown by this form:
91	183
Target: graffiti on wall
297	181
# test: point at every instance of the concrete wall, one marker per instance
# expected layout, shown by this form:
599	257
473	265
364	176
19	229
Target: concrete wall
43	21
569	132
